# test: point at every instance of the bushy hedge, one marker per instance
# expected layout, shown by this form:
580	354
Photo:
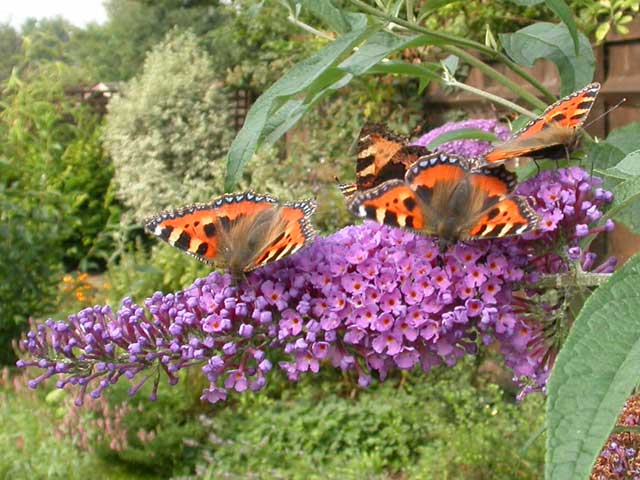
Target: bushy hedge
54	194
169	130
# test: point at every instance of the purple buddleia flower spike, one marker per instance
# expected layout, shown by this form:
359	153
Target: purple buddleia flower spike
367	299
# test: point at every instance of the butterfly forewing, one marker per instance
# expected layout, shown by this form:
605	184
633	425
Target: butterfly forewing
510	216
197	229
495	181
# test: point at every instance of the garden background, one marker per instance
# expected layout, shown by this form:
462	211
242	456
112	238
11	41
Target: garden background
104	125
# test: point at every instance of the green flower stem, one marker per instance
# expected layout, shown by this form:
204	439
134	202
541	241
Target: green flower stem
574	278
463	42
495	75
452	82
522	73
626	429
310	29
452	44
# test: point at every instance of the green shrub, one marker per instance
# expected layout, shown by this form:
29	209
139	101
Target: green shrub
169	130
159	437
31	252
54	183
441	426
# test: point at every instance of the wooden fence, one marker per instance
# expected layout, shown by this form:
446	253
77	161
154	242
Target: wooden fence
617	68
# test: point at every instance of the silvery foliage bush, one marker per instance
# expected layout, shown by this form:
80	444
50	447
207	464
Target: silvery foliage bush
169	129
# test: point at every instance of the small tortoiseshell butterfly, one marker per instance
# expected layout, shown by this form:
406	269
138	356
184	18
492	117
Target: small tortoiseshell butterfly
553	134
442	195
382	155
240	231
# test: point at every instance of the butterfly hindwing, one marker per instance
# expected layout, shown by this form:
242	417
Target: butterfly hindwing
509	216
289	236
557	126
391	203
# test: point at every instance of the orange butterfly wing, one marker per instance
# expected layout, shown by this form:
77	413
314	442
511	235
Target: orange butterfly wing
445	195
382	155
554	126
509	216
391	203
296	234
195	228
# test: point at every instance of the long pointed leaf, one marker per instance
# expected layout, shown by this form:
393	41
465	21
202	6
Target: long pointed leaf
594	373
274	112
378	46
326	11
294	81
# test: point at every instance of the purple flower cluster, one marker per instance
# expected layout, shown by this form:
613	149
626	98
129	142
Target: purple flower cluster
368	299
465	148
569	202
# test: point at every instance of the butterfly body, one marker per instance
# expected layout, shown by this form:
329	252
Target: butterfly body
238	231
382	155
445	196
553	134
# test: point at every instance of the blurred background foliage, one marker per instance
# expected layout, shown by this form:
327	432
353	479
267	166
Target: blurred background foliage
74	186
457	425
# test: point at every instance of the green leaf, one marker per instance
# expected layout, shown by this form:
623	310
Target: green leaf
461	134
602	31
603	155
626	204
553	42
593	375
527	3
274	112
451	63
564	13
626	138
292	111
377	47
628	167
291	83
327	12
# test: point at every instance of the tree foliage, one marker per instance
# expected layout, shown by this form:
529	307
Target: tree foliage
169	130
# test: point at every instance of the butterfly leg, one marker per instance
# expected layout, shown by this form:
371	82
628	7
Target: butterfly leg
538	166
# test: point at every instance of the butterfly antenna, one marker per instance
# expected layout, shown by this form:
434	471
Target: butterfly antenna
353	146
606	112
